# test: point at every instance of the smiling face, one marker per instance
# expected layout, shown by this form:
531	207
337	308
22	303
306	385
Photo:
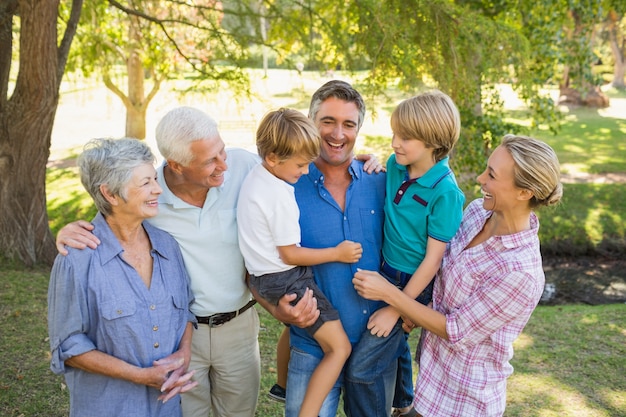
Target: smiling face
497	181
337	121
290	169
140	194
413	154
207	168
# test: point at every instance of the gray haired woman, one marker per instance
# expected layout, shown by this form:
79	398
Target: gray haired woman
118	315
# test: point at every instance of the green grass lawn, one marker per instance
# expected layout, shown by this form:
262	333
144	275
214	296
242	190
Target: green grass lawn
568	362
589	142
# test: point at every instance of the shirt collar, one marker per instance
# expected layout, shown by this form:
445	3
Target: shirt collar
524	237
433	176
110	246
518	239
355	169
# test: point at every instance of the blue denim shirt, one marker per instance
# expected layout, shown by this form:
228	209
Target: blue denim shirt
322	225
96	301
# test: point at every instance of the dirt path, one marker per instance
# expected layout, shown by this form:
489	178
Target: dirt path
586	178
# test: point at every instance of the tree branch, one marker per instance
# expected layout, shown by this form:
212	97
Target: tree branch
70	31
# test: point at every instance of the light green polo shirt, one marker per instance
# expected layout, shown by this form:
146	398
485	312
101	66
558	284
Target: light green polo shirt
208	238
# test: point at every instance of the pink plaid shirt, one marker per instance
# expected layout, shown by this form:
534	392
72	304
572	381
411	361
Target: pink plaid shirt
487	293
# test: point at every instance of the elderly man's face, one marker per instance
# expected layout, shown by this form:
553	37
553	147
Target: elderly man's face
208	165
337	121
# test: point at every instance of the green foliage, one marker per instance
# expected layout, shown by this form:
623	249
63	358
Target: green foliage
480	134
171	39
560	33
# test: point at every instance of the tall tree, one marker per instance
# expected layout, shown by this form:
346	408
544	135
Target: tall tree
561	33
614	27
26	119
135	46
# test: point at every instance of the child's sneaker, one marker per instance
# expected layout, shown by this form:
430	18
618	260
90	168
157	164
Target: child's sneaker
277	393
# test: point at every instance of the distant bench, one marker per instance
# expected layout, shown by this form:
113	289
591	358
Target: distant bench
246	125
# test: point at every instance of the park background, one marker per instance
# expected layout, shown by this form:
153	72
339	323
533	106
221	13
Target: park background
569	360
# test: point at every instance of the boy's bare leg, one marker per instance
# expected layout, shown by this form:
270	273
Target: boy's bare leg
282	358
336	346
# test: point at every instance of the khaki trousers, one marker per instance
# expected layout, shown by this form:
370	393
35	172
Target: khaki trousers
228	368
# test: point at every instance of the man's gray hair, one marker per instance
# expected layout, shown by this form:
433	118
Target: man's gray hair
341	90
179	128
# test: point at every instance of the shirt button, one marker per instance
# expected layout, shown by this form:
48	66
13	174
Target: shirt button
155	328
364	311
400	192
152	307
156	345
119	312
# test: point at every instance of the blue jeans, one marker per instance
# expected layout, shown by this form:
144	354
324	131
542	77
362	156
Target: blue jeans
370	373
301	367
403	395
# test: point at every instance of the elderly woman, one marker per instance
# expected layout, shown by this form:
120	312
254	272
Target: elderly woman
490	281
118	316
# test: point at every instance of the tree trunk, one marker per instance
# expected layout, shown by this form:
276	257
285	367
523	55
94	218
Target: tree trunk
26	121
136	112
619	69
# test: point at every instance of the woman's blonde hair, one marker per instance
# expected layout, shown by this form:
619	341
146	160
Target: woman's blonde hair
536	169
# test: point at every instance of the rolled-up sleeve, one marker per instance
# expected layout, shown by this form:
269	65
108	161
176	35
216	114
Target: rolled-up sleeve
68	315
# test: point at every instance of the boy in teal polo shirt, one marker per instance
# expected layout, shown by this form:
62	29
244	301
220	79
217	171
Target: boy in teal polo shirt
423	210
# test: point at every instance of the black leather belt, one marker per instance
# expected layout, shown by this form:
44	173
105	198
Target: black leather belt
218	319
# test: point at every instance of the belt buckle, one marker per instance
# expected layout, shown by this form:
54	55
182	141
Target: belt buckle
217	320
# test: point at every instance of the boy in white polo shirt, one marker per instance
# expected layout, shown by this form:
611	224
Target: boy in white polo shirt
269	239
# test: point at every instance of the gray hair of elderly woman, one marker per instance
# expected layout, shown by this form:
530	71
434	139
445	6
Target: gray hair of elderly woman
179	128
536	169
111	162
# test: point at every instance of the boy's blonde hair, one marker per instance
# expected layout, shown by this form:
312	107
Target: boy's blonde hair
430	117
285	133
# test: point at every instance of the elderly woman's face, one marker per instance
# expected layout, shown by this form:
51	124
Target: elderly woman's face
142	192
497	181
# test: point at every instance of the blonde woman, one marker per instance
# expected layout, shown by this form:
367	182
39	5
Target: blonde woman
489	283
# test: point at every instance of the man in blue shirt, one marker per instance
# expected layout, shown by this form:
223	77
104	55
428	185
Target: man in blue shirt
337	201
